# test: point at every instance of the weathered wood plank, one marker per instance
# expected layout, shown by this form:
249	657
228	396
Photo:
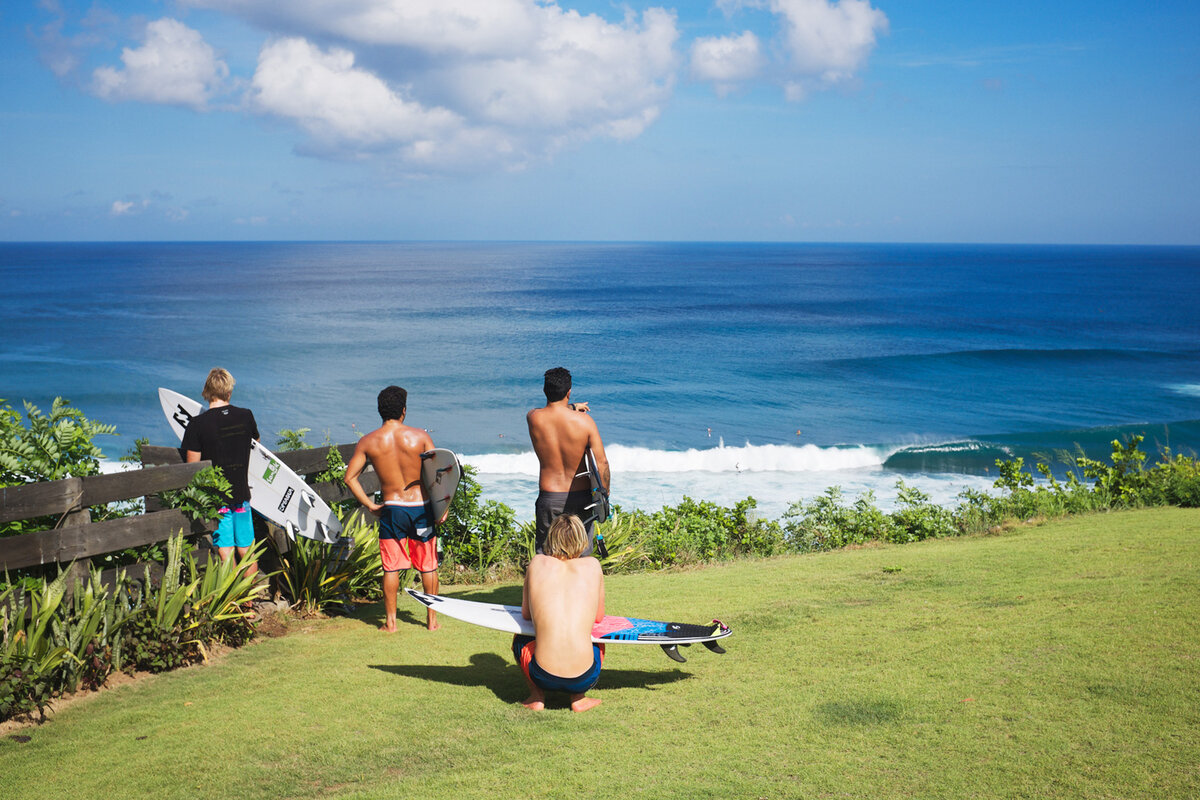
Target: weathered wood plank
100	489
153	455
40	499
306	462
67	544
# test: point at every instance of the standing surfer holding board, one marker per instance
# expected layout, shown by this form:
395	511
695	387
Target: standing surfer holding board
561	433
223	435
407	538
564	596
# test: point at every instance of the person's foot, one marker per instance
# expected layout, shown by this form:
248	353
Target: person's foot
584	703
534	702
432	624
388	627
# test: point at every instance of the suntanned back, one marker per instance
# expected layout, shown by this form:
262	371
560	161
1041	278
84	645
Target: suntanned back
565	598
395	452
560	436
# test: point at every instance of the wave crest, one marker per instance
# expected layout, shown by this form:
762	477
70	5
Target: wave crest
748	458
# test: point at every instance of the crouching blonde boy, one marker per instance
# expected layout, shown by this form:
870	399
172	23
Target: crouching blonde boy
564	596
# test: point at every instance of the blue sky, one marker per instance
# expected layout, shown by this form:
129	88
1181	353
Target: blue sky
745	120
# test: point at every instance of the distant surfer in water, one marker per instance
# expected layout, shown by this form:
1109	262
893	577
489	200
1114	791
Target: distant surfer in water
223	435
561	432
406	532
564	596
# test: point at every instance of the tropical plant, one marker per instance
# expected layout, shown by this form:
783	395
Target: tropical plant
29	658
625	537
222	602
316	575
290	439
204	496
359	550
89	626
159	637
50	447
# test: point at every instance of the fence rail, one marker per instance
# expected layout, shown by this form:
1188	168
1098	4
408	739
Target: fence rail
73	535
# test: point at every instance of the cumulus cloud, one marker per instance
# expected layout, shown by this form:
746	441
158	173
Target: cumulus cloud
726	60
122	207
824	42
443	84
174	65
827	42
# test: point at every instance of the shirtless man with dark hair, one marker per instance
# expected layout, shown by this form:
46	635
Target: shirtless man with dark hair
406	534
561	432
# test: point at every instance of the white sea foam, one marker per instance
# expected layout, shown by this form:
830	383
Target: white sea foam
748	458
1186	389
774	475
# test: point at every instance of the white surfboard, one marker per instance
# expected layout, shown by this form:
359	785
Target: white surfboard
610	630
276	491
440	476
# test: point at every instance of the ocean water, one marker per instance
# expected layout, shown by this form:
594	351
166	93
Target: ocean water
713	370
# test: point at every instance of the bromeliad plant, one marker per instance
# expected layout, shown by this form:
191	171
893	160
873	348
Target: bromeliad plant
29	658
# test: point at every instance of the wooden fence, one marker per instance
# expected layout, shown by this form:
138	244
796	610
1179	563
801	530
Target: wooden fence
74	537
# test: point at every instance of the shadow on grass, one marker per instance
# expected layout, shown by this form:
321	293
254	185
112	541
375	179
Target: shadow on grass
505	680
410	612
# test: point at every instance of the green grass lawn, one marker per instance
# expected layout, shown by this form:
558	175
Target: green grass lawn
1057	661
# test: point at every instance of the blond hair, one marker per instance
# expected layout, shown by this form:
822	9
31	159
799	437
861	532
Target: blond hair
219	385
567	538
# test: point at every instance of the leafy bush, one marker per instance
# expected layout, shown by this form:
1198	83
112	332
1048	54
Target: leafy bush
917	519
204	496
48	449
826	522
89	628
29	658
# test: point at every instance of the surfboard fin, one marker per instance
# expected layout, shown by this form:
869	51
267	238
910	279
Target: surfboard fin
672	651
716	648
310	498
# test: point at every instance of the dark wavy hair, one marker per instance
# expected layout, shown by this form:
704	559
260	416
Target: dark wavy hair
392	403
558	383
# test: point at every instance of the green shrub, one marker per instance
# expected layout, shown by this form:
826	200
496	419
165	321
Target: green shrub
48	448
917	519
29	658
204	496
825	522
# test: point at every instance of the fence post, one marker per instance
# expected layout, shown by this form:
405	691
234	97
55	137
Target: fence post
76	517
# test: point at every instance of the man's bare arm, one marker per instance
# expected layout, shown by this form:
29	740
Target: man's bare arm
358	463
192	456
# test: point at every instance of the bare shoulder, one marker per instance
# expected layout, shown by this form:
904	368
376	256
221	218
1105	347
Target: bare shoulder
588	565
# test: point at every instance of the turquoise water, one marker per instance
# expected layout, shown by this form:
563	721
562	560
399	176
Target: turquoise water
717	370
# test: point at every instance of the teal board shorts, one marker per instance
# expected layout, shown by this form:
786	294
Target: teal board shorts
235	527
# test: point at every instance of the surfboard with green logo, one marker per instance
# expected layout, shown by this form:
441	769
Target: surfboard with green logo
276	491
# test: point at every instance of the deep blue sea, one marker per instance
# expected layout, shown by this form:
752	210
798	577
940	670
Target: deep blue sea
714	370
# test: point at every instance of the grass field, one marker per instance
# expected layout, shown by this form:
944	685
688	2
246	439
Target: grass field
1052	661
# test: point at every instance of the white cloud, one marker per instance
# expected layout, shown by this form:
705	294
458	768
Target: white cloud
341	106
444	84
827	43
174	65
824	42
726	60
122	207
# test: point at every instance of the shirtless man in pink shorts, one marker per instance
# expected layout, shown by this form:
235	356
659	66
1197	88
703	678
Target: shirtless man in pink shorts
406	526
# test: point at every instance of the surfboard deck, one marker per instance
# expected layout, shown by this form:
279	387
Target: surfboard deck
276	491
441	473
610	630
